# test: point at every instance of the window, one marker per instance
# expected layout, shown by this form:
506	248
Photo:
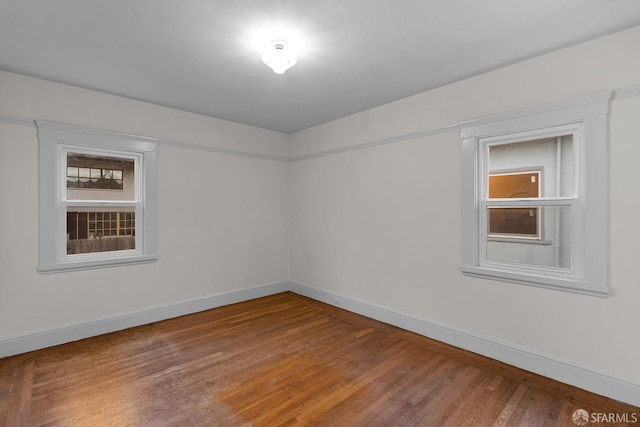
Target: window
535	197
97	198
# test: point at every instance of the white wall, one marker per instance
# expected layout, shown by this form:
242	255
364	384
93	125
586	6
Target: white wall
382	224
222	218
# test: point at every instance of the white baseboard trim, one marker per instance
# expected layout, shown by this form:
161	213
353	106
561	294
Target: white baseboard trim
60	334
548	365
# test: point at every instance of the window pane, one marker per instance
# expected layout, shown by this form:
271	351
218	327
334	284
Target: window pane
535	168
514	185
72	177
84	177
100	177
549	247
95	175
514	222
91	230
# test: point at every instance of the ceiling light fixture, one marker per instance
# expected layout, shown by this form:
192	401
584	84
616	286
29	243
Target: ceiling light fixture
279	56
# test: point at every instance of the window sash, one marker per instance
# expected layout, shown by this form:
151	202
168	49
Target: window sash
576	223
484	172
575	129
66	203
63	151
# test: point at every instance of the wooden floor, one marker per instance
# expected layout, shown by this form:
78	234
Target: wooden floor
283	360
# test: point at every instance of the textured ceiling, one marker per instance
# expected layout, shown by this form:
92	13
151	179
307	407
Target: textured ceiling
200	55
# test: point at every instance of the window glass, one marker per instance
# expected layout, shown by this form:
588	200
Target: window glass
552	158
514	185
92	230
98	178
551	249
514	222
88	172
525	232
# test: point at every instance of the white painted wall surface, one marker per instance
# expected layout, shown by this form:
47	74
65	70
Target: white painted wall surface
382	224
222	218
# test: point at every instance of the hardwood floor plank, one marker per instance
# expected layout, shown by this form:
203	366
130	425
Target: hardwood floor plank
16	394
283	360
510	407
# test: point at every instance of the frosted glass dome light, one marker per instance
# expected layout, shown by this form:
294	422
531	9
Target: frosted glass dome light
279	56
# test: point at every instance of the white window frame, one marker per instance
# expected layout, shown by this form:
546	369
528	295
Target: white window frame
55	141
587	119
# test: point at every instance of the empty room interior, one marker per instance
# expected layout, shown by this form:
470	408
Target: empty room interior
279	212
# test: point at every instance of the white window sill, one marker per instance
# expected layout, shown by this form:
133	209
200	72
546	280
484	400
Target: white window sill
564	284
91	264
